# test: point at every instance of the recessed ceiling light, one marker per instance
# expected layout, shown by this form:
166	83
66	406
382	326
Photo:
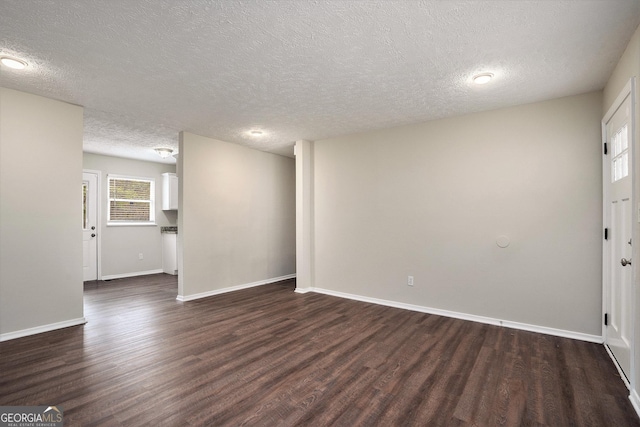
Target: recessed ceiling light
481	79
256	132
15	63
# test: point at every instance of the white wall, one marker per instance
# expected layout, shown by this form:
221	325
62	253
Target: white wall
429	200
120	245
628	67
237	216
40	214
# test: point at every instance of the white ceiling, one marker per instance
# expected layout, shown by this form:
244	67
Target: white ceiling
146	69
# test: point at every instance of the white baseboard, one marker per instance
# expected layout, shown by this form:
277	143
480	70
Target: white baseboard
464	316
233	288
40	329
134	274
635	401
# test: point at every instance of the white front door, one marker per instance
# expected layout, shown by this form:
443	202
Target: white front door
618	217
90	226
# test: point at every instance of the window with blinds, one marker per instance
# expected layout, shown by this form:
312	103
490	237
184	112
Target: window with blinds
131	200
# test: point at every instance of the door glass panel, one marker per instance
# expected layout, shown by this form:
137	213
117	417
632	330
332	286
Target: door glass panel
85	208
620	154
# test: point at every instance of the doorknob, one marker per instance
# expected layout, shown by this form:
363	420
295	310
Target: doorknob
625	262
94	235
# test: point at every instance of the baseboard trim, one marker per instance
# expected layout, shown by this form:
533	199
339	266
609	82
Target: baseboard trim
134	274
40	329
635	401
463	316
185	298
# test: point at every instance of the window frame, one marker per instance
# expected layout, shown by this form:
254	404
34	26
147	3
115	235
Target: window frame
152	201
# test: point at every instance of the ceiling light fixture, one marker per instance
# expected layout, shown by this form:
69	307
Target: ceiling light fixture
163	152
481	79
256	132
15	63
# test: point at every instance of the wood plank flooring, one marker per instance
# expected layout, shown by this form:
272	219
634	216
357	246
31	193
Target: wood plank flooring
267	356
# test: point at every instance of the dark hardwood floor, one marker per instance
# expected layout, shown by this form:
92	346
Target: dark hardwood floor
267	356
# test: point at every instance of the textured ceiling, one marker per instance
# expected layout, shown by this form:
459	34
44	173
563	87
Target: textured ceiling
146	69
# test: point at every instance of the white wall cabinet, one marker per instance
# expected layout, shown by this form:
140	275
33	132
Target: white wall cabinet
169	192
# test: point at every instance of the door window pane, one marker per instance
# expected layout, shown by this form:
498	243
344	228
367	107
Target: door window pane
620	154
85	212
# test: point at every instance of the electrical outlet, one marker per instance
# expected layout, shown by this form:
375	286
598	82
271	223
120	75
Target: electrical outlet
409	280
140	255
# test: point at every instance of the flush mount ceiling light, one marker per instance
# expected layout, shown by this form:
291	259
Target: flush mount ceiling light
15	63
255	132
163	152
481	79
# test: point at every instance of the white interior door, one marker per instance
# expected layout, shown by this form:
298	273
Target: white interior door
90	226
618	217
